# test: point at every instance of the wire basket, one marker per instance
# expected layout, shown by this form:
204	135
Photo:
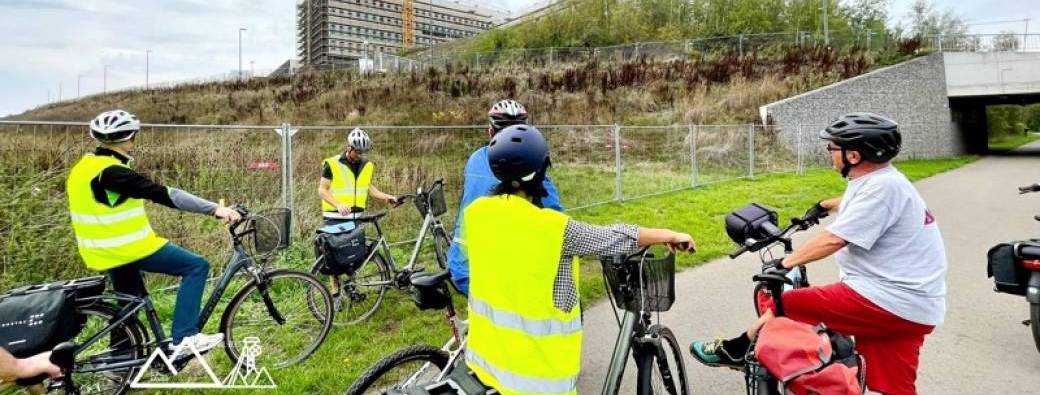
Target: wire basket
643	283
270	232
434	200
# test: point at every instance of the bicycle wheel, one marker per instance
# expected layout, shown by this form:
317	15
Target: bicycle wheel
441	243
125	342
361	293
409	366
666	374
1034	323
291	293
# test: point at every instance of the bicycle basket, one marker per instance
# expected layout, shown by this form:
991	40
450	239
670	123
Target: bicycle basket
651	289
271	231
434	200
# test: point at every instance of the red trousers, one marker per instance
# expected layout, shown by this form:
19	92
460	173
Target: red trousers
890	345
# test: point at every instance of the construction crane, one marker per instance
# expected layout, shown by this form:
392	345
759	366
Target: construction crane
408	23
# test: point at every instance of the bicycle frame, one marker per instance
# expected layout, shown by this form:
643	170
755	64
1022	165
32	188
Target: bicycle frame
380	244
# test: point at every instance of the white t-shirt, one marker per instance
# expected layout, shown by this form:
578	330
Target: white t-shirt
895	256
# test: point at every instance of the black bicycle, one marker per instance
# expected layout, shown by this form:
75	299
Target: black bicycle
362	290
289	311
755	229
642	284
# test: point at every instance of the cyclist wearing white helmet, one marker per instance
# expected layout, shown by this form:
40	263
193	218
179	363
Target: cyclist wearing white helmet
346	183
478	180
346	180
113	233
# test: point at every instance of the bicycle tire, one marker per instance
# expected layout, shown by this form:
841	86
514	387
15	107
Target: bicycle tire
1034	323
280	338
95	382
441	243
667	370
379	372
349	297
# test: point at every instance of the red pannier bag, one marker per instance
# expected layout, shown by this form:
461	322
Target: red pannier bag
809	359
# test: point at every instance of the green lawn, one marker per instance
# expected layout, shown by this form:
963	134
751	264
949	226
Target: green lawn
1009	143
350	350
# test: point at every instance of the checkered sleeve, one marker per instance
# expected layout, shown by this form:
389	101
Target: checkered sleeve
579	239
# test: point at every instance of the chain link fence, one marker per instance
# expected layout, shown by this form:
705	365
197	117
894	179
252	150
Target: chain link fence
266	166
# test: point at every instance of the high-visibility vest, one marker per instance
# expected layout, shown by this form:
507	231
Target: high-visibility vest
518	341
346	187
107	236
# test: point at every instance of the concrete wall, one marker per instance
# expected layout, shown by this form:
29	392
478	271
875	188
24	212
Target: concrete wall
913	93
992	73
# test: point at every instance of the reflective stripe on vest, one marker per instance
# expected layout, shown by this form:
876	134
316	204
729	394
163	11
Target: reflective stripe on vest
346	187
117	241
519	341
107	219
106	236
523	384
532	327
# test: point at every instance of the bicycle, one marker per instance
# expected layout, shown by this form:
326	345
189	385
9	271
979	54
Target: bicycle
762	235
362	291
418	364
113	344
642	284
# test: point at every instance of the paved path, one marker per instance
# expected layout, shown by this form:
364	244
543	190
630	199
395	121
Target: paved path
982	347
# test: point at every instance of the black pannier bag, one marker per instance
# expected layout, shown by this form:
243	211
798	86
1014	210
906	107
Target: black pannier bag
37	318
1005	266
344	251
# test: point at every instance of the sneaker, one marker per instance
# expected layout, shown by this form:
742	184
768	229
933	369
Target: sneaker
201	342
337	302
712	354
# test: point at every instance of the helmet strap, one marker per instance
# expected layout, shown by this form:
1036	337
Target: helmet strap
846	167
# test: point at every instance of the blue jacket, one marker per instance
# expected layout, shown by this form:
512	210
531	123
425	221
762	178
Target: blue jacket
479	181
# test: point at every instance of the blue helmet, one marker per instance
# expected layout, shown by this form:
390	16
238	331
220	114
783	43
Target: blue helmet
518	155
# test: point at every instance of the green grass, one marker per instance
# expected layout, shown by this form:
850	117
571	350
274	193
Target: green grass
1009	143
350	350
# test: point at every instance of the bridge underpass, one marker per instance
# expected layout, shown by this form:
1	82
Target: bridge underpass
975	80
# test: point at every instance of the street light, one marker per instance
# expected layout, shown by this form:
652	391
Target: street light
251	75
240	30
79	78
104	84
147	52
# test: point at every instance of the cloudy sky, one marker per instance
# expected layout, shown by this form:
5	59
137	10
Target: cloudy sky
47	43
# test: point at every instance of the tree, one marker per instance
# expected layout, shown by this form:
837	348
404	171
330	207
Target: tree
1005	41
926	20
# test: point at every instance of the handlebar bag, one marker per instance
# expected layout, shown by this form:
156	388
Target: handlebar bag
745	223
344	251
37	318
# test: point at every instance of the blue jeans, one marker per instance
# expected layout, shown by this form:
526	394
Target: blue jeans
176	261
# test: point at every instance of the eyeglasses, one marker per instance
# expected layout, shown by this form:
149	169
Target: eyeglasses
833	148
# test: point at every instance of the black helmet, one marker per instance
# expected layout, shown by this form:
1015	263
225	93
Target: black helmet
875	137
518	154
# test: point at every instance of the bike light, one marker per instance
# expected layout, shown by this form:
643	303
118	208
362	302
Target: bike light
1031	264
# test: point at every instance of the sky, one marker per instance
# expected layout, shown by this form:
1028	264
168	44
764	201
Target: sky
52	45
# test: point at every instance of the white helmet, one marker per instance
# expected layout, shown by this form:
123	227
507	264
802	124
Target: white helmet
114	126
506	113
358	140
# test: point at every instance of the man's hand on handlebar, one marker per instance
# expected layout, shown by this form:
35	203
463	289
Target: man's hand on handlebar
393	200
812	216
227	215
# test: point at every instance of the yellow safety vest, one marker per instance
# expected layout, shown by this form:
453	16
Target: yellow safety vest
107	236
519	342
346	187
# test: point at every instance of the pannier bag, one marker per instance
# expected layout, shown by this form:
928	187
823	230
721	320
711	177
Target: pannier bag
343	247
37	318
1005	266
810	359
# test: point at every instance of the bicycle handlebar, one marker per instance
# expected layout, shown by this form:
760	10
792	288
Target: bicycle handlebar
1028	189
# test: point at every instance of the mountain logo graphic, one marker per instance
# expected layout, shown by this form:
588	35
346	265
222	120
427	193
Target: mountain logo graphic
246	373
